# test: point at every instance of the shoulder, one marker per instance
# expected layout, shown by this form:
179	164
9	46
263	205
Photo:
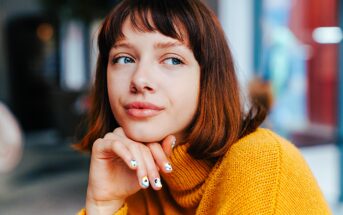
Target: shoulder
266	155
263	139
262	146
258	157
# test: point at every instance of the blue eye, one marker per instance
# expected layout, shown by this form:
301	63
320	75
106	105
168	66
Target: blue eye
123	60
173	61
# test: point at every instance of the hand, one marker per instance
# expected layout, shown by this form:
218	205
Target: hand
120	167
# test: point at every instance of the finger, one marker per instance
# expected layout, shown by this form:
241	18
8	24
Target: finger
142	176
106	149
153	175
160	157
117	133
168	144
134	149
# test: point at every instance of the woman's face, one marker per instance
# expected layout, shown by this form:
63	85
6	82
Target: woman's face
153	84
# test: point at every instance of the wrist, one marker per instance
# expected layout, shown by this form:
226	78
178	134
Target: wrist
103	207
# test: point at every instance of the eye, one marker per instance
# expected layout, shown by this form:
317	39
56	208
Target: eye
122	60
173	61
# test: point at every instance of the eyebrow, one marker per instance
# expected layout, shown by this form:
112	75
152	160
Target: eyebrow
122	45
156	45
168	45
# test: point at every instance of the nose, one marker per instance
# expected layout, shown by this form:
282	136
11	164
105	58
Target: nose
142	79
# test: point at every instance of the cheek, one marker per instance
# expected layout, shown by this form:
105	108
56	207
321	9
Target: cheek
112	90
116	87
185	99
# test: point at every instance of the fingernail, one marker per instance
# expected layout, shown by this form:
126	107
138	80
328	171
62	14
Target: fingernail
157	182
173	142
168	167
145	182
133	163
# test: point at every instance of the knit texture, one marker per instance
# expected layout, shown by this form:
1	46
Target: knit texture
121	211
261	174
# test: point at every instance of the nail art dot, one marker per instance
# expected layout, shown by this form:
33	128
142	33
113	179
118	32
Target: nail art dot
145	182
168	167
133	163
157	182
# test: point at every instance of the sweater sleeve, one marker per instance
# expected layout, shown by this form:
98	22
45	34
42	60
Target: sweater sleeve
143	202
121	211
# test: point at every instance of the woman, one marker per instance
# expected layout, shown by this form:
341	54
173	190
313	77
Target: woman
165	75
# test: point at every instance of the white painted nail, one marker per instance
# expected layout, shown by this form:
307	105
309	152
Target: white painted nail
168	167
145	182
133	163
157	182
173	143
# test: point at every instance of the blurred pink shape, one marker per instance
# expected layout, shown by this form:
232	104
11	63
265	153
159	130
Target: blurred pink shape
11	140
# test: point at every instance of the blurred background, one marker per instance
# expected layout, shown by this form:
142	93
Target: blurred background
289	50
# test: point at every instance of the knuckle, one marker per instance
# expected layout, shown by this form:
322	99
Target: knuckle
118	131
97	144
144	148
108	136
134	146
131	147
151	145
115	144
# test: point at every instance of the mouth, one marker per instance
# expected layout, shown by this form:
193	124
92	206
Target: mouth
141	110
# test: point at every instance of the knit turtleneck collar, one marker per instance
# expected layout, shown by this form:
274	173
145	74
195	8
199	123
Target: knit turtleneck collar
186	181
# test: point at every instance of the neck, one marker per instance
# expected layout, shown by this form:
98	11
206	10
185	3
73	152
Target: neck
188	177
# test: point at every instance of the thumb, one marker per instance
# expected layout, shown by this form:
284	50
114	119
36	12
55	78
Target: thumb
168	144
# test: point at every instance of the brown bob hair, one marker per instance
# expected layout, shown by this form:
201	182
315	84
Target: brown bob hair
220	119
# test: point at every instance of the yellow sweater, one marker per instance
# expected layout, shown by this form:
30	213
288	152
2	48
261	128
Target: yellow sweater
260	174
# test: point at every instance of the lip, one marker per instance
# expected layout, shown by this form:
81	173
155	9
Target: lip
142	110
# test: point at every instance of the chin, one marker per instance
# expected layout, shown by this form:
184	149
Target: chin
144	136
